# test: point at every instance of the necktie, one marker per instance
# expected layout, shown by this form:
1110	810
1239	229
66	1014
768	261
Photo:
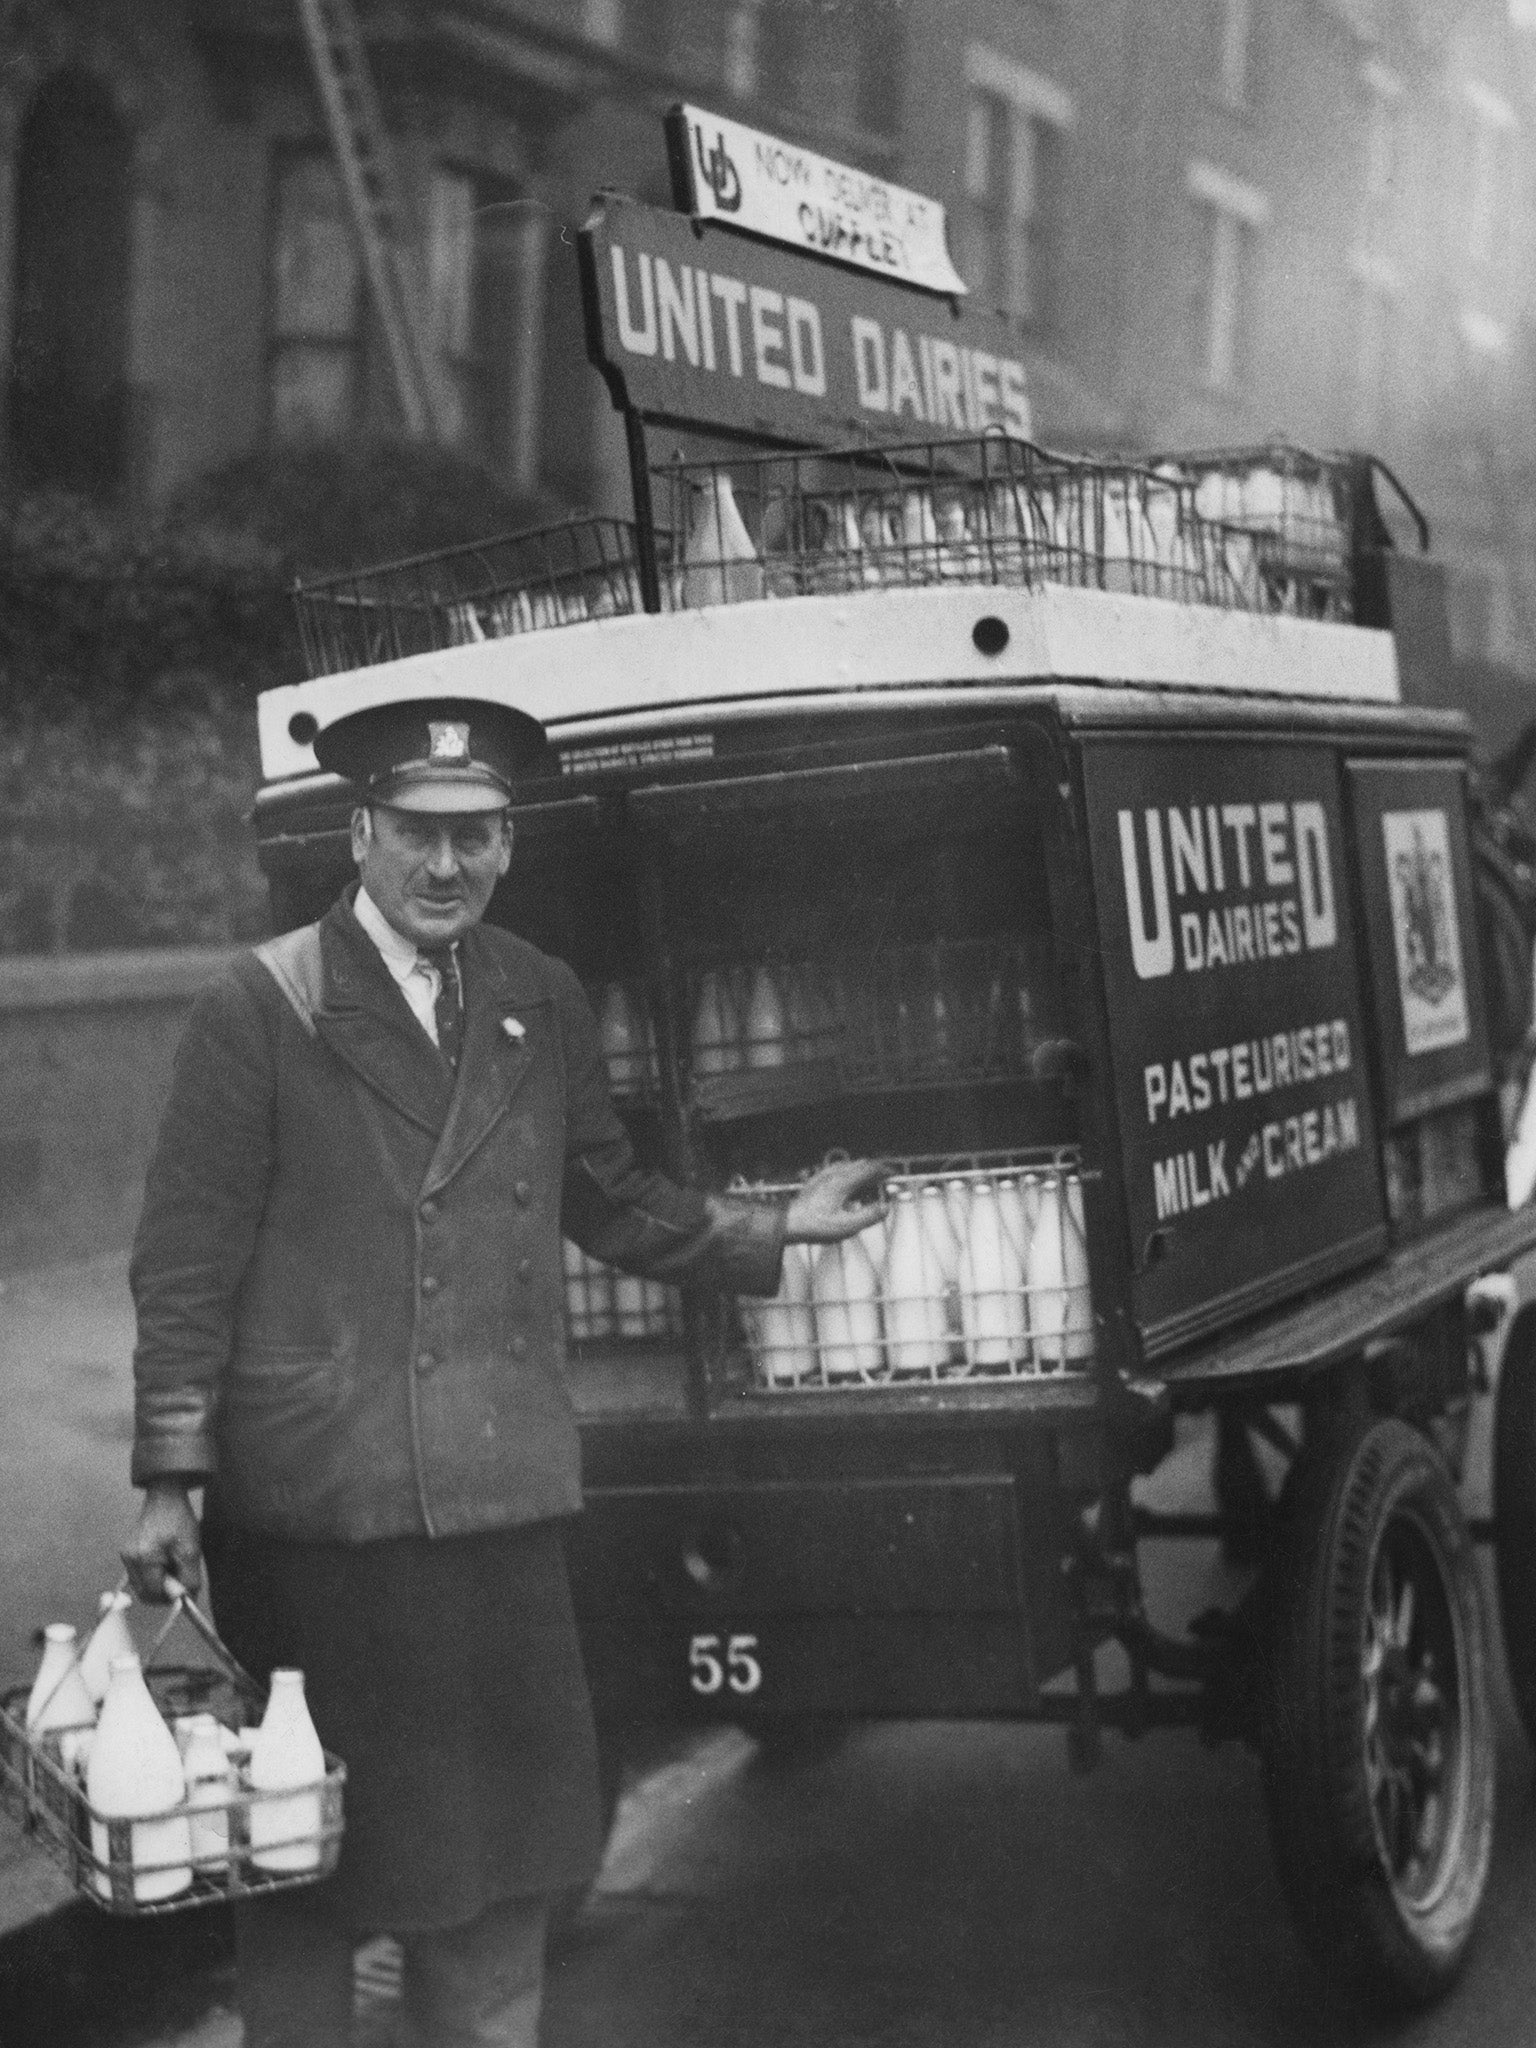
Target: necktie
449	1006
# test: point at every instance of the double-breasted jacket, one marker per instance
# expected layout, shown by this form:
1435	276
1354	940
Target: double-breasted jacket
348	1270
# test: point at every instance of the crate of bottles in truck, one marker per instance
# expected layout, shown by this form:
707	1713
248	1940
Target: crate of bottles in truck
979	1269
162	1786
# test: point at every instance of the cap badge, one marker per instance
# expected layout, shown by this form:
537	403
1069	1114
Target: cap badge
515	1029
450	740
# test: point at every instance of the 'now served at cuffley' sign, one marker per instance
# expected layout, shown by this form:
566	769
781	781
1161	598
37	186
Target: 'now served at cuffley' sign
699	327
746	179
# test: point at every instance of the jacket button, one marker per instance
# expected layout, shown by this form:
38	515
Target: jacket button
429	1211
524	1193
426	1363
430	1283
519	1347
525	1269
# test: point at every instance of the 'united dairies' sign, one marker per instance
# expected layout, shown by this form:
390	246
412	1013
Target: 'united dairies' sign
698	327
1236	1025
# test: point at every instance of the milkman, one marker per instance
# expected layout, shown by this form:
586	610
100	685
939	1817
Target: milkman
351	1306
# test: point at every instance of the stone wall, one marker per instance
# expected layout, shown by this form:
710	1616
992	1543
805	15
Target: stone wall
86	1045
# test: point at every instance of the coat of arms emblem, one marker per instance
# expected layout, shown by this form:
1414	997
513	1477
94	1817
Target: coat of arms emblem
1425	930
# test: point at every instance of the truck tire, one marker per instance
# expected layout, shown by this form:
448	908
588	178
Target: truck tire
1378	1741
1514	1513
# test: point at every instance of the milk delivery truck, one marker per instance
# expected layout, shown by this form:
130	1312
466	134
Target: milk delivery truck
1082	839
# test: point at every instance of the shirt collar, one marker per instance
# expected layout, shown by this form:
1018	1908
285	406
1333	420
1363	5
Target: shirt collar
399	953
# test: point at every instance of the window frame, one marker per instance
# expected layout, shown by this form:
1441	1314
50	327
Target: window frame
1024	230
1228	215
353	346
1237	94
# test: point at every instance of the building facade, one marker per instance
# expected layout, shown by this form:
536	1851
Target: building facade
1216	221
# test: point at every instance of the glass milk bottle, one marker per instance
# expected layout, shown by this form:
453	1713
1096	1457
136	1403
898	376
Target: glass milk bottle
915	1325
845	1290
782	1332
59	1698
135	1774
210	1787
991	1284
110	1638
286	1757
767	1029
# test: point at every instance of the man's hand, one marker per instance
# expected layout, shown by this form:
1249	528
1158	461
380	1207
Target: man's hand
824	1210
167	1540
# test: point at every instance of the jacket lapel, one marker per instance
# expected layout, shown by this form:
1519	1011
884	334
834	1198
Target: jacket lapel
366	1021
493	1063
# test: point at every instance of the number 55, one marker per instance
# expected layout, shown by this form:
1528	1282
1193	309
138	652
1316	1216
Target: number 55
740	1671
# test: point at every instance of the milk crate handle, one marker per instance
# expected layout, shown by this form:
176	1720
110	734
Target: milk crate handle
183	1603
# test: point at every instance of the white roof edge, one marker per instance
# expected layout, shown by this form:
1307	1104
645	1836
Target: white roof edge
870	640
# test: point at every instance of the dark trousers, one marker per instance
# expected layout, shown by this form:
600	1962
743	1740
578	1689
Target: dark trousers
474	1986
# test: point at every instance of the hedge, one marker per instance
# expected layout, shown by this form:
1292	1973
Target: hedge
129	665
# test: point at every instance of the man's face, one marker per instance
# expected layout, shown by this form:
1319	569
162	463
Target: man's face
431	873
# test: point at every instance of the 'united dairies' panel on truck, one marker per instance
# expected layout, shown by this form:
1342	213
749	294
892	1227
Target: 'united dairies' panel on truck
1236	1025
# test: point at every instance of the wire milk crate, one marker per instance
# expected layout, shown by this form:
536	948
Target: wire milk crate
1264	530
603	1303
945	1012
978	1272
516	583
119	1864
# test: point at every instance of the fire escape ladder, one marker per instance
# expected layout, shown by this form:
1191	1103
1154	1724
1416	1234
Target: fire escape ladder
381	216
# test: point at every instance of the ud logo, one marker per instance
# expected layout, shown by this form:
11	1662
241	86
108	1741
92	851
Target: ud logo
450	740
717	171
1425	932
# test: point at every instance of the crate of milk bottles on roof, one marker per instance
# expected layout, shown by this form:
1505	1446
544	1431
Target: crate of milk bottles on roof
978	1272
1258	530
549	576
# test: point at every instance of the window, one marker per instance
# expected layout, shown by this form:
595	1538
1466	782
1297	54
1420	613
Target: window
1015	123
1377	296
485	268
1381	156
315	295
741	26
602	21
1232	24
1228	214
1490	175
695	42
68	399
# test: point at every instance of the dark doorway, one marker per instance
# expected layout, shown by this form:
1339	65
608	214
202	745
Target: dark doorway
67	408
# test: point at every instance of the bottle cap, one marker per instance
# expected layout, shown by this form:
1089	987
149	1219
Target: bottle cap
59	1632
110	1602
125	1663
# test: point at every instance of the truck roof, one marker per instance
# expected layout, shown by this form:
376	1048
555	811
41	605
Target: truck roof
890	642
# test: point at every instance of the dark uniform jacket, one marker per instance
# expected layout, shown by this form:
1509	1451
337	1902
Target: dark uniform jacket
348	1269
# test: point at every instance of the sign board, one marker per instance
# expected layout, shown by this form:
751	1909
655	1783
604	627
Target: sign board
745	179
702	328
1416	887
1236	1025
